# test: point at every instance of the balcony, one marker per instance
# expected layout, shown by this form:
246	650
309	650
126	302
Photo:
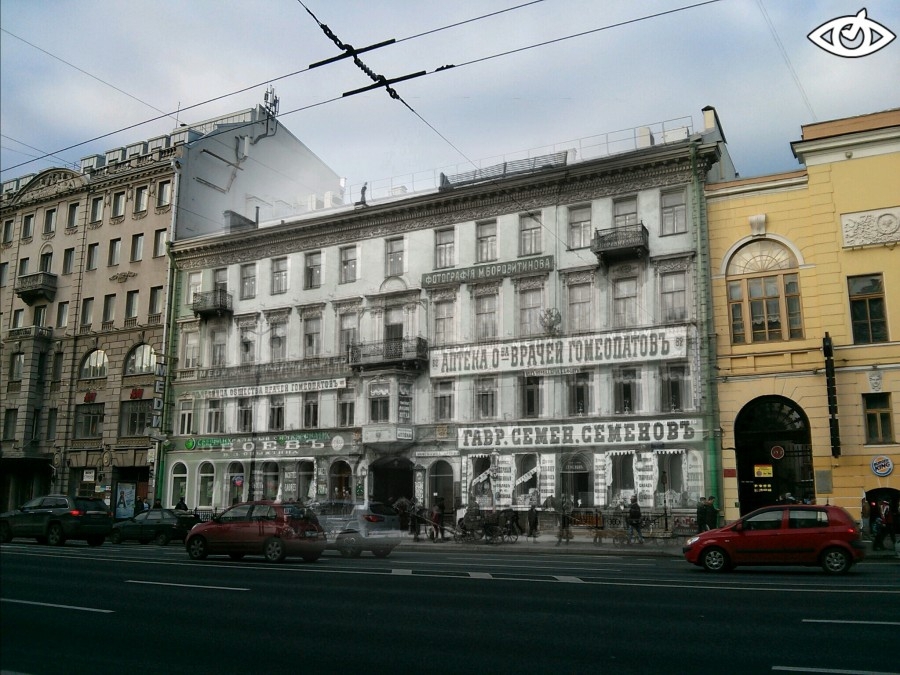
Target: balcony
207	304
628	242
407	353
30	333
34	287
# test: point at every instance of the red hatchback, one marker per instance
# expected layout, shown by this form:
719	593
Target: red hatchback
792	534
265	528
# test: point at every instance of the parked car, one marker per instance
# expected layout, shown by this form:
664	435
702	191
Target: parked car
792	534
353	528
265	528
53	519
159	525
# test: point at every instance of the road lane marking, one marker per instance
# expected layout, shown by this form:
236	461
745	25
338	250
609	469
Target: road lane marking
833	671
162	583
570	580
480	575
50	604
401	572
864	623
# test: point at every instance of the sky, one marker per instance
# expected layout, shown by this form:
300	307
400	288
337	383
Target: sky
79	77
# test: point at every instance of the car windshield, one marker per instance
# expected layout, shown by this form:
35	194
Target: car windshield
90	505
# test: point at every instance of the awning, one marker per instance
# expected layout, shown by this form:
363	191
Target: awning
614	453
670	451
525	476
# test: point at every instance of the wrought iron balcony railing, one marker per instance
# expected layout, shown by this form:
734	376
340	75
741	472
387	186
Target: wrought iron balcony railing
410	351
211	303
621	243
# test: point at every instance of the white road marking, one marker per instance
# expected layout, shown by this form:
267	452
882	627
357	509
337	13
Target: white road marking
161	583
401	572
570	580
864	623
50	604
834	671
480	575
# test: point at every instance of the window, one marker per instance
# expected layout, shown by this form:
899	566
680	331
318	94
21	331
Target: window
245	414
312	337
8	226
348	264
379	402
186	418
248	345
530	300
194	284
444	247
346	408
764	294
141	360
163	193
137	247
94	365
118	205
68	261
312	277
443	400
580	307
220	279
672	218
96	209
278	341
580	227
10	419
530	390
72	217
156	301
207	480
217	348
62	314
625	212
87	310
23	267
89	420
625	302
279	275
878	413
349	326
140	199
49	221
135	417
443	322
109	308
214	421
626	396
18	318
673	296
310	410
248	281
159	243
115	248
675	391
529	234
40	315
276	412
58	361
867	311
486	234
93	253
46	262
580	402
131	304
52	414
16	366
486	398
191	353
28	226
486	316
393	257
4	273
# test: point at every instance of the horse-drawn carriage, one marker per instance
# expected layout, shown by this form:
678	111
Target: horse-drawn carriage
494	527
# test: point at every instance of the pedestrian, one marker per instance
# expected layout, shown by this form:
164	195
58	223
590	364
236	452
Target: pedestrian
181	506
885	526
564	532
634	521
865	512
414	519
146	505
701	515
532	522
441	510
435	533
157	504
712	514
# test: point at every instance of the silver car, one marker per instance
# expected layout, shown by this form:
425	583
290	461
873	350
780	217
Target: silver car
353	528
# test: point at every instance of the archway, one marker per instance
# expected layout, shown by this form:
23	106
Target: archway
575	486
440	484
339	480
773	451
391	478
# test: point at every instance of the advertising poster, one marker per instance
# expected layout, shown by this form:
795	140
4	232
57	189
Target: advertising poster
125	501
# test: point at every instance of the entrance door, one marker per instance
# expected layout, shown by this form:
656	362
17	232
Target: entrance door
391	478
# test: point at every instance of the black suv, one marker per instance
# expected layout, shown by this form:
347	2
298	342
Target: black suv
53	519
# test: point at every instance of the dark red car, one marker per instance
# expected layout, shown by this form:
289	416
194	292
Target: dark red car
266	528
791	534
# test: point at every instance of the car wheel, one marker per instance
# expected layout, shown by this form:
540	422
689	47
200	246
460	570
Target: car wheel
236	556
197	548
116	537
836	561
162	539
381	552
55	535
715	560
5	533
95	541
273	550
349	546
311	557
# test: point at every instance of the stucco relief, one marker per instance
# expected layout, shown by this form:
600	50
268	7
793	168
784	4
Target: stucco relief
875	382
880	226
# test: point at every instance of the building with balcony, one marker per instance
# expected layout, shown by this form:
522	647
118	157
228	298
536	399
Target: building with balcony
805	279
531	332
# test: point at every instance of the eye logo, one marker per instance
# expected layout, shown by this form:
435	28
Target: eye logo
851	36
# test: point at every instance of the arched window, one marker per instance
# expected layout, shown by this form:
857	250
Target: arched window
179	483
270	480
141	359
763	293
94	365
207	480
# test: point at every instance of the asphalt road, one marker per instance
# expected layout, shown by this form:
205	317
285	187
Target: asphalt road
145	609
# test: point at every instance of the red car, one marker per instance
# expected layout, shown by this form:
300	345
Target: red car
265	528
792	534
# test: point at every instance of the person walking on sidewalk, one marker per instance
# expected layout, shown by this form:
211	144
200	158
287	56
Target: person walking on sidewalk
532	522
712	514
634	521
701	515
564	522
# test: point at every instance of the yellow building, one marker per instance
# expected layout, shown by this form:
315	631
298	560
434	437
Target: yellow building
806	295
